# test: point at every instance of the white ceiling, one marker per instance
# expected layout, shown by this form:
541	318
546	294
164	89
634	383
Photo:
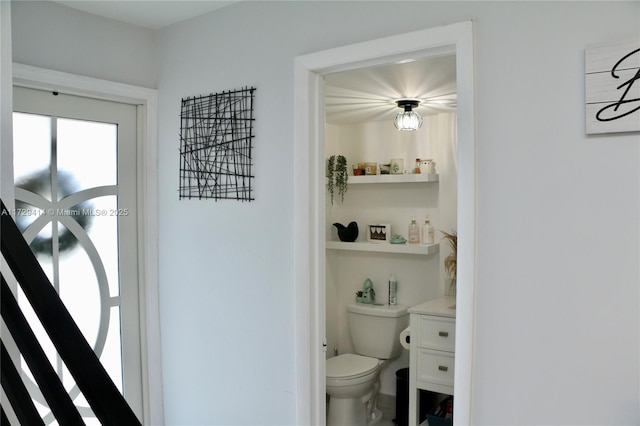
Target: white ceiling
369	94
151	14
355	96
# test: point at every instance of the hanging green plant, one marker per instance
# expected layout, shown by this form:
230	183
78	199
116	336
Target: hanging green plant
331	166
337	176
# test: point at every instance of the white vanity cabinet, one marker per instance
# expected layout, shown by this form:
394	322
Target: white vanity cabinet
432	353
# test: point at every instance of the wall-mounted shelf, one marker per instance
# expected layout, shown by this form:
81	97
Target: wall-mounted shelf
408	178
423	249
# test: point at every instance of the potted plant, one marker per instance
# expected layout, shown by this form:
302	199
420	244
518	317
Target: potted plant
451	261
337	176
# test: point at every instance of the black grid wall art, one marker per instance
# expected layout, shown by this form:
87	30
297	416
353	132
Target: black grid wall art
216	137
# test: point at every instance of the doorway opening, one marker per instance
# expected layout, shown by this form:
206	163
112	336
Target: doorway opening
310	246
360	108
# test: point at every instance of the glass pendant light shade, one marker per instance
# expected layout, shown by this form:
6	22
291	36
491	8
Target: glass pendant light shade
408	119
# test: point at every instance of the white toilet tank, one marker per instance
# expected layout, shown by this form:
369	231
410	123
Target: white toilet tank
375	329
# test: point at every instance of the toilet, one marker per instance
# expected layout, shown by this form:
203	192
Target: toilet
353	380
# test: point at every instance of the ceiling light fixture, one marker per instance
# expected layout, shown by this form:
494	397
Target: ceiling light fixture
408	119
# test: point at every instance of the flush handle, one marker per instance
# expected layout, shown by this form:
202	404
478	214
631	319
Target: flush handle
443	333
443	368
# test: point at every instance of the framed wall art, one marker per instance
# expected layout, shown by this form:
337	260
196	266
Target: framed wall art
612	87
216	141
379	233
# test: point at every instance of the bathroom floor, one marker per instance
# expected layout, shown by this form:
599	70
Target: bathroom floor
387	420
388	406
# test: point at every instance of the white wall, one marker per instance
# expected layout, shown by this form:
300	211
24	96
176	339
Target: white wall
555	301
557	323
51	36
226	279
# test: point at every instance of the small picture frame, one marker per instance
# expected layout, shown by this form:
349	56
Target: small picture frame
379	233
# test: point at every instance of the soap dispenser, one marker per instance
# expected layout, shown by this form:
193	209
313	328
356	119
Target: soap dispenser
414	233
427	232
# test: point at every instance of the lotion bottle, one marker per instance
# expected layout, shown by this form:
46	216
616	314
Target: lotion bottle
393	290
414	233
427	232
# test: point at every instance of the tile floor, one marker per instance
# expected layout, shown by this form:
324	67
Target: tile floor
387	404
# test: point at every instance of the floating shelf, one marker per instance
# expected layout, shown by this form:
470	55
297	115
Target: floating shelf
408	178
385	247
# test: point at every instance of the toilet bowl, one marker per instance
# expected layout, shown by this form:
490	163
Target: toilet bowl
351	381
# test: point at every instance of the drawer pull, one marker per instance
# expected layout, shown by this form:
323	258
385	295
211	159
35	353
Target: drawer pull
443	368
443	333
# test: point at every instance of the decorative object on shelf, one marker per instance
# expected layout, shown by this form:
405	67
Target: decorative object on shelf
380	233
428	166
371	169
347	233
397	166
365	169
398	239
385	169
427	232
451	261
416	169
368	295
408	119
414	232
337	176
216	137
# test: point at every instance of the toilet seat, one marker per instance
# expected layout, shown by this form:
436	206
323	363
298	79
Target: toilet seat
350	366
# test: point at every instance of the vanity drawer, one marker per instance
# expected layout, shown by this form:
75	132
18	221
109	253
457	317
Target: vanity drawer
436	367
436	333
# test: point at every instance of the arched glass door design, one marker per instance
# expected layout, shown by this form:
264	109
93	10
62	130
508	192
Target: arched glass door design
75	177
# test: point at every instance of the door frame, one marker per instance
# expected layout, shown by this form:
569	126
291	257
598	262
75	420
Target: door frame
309	203
146	102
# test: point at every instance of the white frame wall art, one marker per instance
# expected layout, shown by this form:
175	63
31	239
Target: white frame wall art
378	233
612	87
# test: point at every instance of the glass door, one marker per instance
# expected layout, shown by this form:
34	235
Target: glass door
75	186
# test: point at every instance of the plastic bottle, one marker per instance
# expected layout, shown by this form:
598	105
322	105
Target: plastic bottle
427	232
448	411
414	233
393	290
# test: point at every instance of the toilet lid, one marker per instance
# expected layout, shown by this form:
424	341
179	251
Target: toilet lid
350	365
